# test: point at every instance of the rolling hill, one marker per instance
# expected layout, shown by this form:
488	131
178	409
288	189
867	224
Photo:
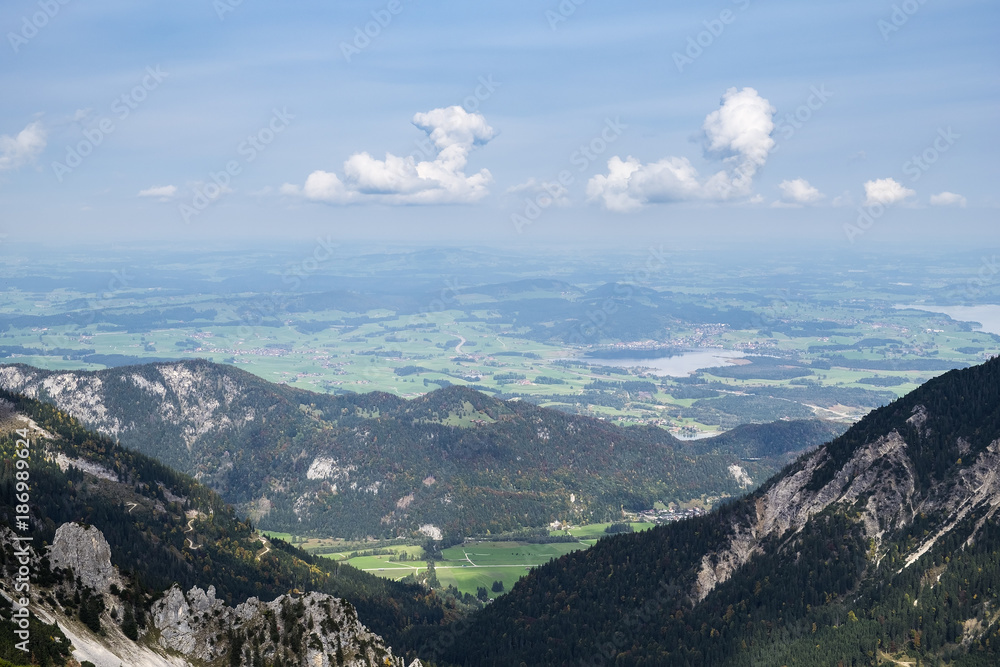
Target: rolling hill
454	460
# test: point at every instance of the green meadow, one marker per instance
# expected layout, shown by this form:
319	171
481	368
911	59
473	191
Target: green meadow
466	567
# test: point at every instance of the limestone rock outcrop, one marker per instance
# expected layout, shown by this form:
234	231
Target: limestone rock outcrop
315	629
86	553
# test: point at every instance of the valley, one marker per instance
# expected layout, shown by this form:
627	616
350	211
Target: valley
843	555
879	546
834	348
452	463
474	564
494	466
499	334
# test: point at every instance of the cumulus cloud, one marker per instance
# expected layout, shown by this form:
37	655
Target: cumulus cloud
453	133
948	199
738	133
885	191
23	148
799	192
161	192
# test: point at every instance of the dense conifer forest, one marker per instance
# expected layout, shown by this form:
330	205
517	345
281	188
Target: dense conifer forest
822	595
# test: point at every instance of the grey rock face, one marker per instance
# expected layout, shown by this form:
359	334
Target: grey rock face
198	626
882	474
86	553
316	629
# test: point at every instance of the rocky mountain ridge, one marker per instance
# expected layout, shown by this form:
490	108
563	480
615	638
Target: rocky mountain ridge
881	546
359	465
125	530
192	628
882	475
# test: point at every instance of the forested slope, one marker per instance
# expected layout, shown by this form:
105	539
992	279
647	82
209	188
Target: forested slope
883	543
165	528
375	464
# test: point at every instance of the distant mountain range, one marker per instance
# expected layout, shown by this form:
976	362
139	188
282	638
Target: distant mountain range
881	547
455	460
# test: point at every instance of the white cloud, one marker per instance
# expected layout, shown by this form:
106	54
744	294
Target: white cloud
885	191
22	149
799	191
453	132
327	187
948	199
739	132
161	192
742	126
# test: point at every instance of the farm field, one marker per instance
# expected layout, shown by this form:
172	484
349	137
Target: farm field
593	532
466	567
835	349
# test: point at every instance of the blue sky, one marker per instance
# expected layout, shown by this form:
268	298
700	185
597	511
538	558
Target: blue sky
686	113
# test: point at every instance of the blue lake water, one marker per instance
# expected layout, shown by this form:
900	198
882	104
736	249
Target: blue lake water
678	366
988	316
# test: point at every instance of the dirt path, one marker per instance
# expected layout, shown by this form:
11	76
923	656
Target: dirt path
888	658
191	515
267	547
445	567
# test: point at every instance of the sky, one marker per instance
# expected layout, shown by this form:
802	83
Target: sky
516	123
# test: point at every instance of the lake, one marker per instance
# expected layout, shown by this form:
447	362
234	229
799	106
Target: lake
988	316
677	366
